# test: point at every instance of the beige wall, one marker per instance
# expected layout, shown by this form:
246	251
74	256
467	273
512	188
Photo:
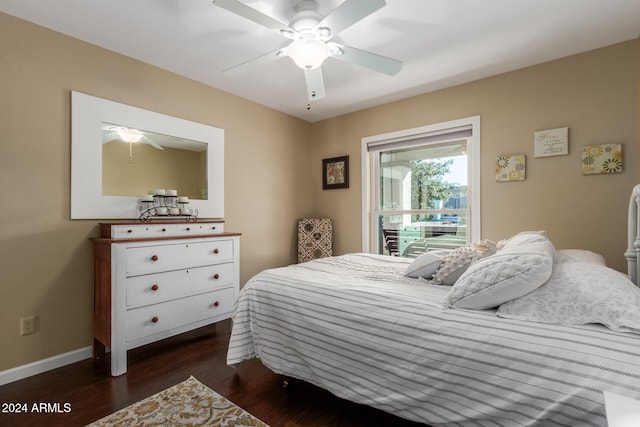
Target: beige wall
595	94
45	258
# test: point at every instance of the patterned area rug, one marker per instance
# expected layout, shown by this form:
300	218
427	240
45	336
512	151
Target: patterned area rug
189	403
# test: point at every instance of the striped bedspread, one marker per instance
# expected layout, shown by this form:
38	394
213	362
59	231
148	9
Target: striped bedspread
354	325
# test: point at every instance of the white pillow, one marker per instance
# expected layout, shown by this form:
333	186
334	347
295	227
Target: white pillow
510	273
566	255
426	264
579	293
521	238
524	238
458	260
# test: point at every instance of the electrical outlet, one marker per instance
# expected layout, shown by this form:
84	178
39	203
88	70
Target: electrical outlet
27	325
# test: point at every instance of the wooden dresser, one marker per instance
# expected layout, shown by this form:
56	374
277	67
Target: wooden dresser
156	280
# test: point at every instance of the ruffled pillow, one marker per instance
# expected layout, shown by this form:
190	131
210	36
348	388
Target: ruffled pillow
458	260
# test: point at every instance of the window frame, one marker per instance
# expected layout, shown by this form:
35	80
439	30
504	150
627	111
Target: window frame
370	164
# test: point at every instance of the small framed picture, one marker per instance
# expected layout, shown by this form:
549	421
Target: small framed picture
335	173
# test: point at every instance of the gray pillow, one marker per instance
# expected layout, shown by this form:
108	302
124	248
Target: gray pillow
579	293
426	264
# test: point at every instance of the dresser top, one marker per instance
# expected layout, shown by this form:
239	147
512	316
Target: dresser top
176	229
166	221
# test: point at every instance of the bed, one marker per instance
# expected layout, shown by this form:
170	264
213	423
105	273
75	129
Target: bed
360	327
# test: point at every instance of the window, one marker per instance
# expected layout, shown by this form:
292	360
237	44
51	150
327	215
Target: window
421	189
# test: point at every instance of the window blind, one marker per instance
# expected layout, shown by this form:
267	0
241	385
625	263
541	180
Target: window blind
421	139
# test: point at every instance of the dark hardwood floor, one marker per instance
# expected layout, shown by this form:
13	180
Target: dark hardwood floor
92	393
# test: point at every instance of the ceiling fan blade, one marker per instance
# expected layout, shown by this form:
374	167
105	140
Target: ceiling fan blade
315	84
147	140
251	14
260	60
370	60
108	137
348	13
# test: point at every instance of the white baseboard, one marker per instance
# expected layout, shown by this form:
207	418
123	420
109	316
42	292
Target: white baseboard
44	365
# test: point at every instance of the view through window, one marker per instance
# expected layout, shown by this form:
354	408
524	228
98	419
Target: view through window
421	188
423	203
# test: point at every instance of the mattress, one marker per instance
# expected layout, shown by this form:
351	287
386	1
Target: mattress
356	326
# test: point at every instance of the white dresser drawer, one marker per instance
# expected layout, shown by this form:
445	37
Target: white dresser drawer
200	228
163	229
155	288
150	320
158	258
217	276
147	230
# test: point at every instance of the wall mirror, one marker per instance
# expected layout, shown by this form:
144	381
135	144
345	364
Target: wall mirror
120	152
135	161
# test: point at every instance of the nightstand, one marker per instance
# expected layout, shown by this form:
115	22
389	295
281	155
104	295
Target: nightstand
621	411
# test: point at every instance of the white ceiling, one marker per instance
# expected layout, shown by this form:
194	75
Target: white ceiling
442	43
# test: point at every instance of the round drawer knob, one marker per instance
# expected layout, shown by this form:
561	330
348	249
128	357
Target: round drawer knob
216	251
154	287
154	319
216	304
164	229
213	228
216	276
129	231
154	258
188	228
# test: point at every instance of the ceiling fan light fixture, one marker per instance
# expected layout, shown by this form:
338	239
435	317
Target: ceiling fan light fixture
129	135
308	54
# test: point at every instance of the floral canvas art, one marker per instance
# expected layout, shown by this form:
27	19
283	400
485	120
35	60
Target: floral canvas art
510	168
601	159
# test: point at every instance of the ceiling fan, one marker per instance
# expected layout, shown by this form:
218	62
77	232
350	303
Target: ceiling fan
311	33
123	133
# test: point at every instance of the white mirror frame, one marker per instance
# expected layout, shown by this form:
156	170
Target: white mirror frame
88	113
